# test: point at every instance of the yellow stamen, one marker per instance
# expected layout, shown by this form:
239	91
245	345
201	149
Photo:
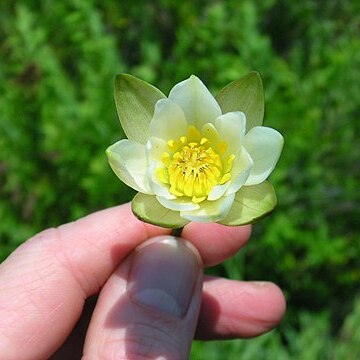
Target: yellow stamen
194	164
198	200
165	158
225	178
162	175
203	141
175	192
171	144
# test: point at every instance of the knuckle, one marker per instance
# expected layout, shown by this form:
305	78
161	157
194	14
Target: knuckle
144	342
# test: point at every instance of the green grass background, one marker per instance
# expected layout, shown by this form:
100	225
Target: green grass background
58	60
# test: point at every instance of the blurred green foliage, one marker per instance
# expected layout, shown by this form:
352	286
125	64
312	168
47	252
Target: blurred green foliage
57	116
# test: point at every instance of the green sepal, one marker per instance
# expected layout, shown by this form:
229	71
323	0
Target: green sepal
148	209
135	102
251	203
246	95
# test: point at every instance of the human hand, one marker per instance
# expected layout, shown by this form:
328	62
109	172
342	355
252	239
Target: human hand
45	282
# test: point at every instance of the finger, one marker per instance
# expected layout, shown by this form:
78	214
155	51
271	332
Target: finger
149	306
216	242
238	309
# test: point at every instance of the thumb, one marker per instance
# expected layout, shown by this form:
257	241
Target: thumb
148	308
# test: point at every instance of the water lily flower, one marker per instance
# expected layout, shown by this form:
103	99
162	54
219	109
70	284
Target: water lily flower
189	159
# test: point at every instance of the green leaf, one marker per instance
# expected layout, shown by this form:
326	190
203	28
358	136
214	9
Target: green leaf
246	95
148	209
135	102
251	203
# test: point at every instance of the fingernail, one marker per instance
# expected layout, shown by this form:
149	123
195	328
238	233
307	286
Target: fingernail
163	274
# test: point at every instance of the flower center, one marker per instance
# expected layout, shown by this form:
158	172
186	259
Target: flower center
194	165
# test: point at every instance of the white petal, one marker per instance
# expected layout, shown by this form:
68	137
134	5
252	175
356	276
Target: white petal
264	146
218	191
157	187
128	160
155	147
209	131
168	121
240	170
178	204
199	106
210	210
231	127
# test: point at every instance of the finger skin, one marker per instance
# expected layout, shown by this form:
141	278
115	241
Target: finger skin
44	283
238	309
216	242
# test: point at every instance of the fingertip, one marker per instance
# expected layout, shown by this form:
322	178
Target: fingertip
239	309
271	311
